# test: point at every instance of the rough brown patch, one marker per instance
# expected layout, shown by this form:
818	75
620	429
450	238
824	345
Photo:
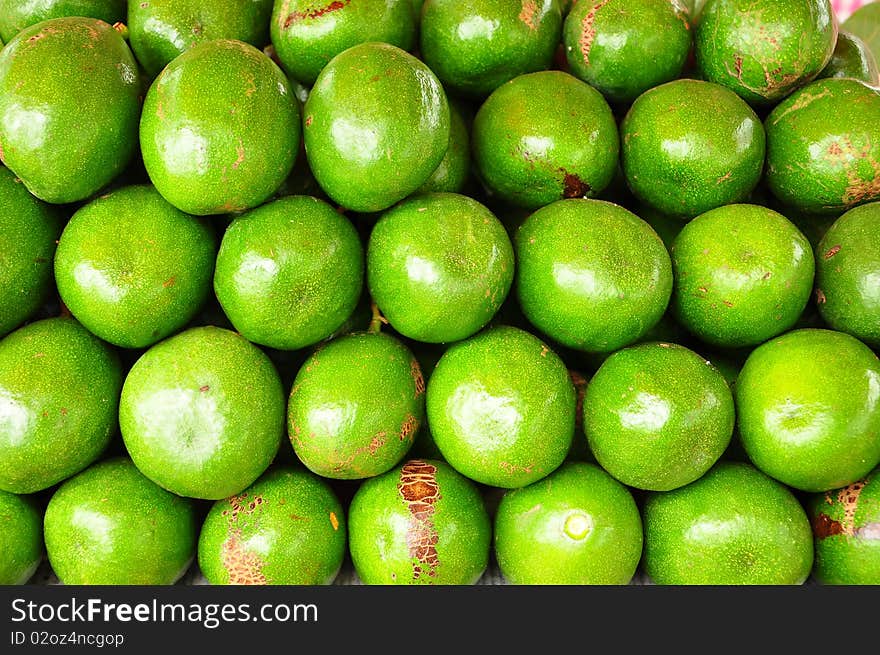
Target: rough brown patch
409	428
824	526
724	177
544	351
832	251
527	15
204	388
334	521
727	303
311	14
243	566
820	296
63	411
419	489
167	284
767	275
574	187
416	372
803	100
515	468
309	120
239	152
588	30
849	498
241	505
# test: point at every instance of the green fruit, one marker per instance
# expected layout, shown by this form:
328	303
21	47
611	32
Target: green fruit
28	230
21	539
355	406
439	266
421	523
682	164
163	29
376	126
308	34
577	526
220	129
59	392
202	413
823	150
132	268
743	274
657	416
764	49
808	409
848	274
501	408
110	525
475	47
625	47
289	272
733	526
288	528
69	107
846	528
591	275
864	24
852	58
454	170
15	15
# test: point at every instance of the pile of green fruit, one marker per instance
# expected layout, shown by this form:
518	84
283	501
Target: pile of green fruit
579	290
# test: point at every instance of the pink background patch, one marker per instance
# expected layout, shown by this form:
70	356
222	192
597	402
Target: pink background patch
844	8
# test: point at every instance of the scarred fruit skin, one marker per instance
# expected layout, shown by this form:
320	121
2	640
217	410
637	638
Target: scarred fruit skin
355	406
110	525
439	266
625	47
289	272
852	58
846	531
307	34
420	523
523	144
743	274
848	274
682	164
501	407
21	538
591	275
52	75
202	413
657	416
577	526
733	526
15	15
28	230
220	128
288	528
765	49
371	148
823	154
60	386
454	170
132	268
808	410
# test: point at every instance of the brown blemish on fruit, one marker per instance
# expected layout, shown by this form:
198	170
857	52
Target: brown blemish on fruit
832	251
239	159
509	468
574	187
588	30
724	177
527	15
419	489
544	351
312	14
243	566
167	284
409	427
309	120
820	297
240	505
727	303
805	99
849	498
416	372
824	526
251	86
702	289
63	411
334	521
204	388
767	275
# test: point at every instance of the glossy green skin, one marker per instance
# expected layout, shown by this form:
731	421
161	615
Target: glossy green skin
823	154
523	146
501	407
808	410
60	388
307	34
220	129
863	24
132	268
290	272
743	274
52	75
21	538
202	413
376	126
477	46
764	49
846	531
355	406
439	266
160	30
15	15
848	274
577	526
625	47
454	170
682	164
28	230
288	528
591	275
420	523
852	58
657	416
733	526
110	525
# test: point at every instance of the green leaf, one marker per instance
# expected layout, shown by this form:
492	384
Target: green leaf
865	23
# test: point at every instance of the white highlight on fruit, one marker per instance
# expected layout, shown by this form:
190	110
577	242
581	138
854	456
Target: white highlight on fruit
646	412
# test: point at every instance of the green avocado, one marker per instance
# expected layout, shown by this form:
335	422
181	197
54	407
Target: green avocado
852	58
110	525
15	15
202	413
454	171
220	128
288	528
69	107
21	538
733	526
420	523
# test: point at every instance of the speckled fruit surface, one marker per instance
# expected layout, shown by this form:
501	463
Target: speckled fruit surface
852	58
15	15
21	538
454	170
